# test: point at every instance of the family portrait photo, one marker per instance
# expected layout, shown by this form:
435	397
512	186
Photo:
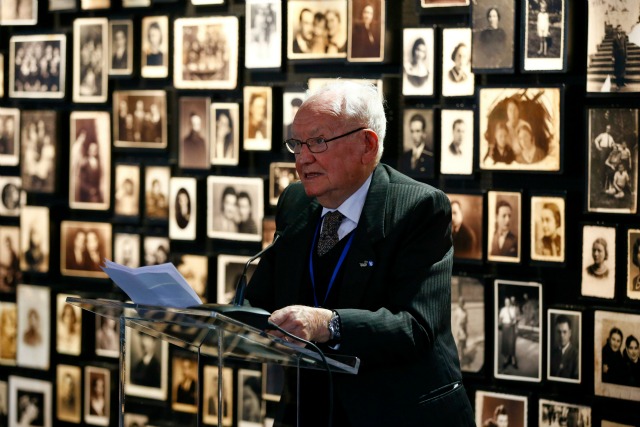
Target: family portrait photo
83	248
39	139
553	413
235	208
317	30
140	118
37	66
598	261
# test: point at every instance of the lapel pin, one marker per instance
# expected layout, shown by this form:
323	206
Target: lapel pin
366	264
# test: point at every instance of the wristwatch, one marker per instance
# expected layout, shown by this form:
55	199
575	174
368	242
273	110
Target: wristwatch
334	327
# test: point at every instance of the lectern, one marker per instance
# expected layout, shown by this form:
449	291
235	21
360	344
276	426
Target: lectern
209	333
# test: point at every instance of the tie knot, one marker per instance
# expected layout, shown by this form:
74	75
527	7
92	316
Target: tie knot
332	220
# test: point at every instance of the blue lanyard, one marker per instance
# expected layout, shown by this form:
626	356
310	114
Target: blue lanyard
335	270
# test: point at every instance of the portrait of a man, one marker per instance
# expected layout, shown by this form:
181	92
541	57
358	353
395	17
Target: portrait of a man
503	226
194	130
564	345
257	123
457	148
147	357
417	157
120	47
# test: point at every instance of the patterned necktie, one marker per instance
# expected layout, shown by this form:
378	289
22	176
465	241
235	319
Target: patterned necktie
329	233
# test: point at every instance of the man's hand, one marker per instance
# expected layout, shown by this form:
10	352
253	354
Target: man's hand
308	323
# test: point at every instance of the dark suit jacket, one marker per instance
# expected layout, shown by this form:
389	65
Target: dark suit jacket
564	365
394	302
509	247
424	168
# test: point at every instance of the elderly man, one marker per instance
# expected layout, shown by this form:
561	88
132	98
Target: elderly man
372	280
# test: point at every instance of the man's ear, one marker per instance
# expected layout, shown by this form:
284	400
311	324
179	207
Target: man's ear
370	146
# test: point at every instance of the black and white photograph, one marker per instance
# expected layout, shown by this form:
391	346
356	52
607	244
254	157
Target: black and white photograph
225	133
19	12
564	345
467	321
182	208
544	35
136	420
195	270
127	190
633	263
184	380
39	151
136	3
617	369
501	410
84	247
520	129
317	30
9	136
456	136
94	4
263	34
68	393
107	330
457	77
147	361
210	398
518	331
154	59
291	102
10	274
548	229
206	53
553	413
12	198
156	190
598	261
30	402
466	225
97	393
250	410
33	326
416	158
121	47
90	160
493	23
235	207
194	133
272	381
613	160
141	118
281	174
366	33
418	61
1	75
155	250
37	66
8	333
34	239
126	249
229	272
504	225
68	326
257	118
443	3
57	5
90	60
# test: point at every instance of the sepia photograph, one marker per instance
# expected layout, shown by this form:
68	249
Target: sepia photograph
366	33
154	58
9	136
184	393
416	159
263	34
544	35
564	344
89	160
19	12
229	273
136	3
492	23
553	414
84	247
195	270
616	355
136	420
257	118
155	250
210	399
418	49
58	5
633	263
8	333
147	358
12	197
613	160
121	47
33	326
90	60
291	102
225	133
194	133
68	393
467	321
37	66
68	326
107	330
466	225
29	402
182	208
141	118
1	75
457	77
206	53
268	230
34	239
156	191
235	208
281	174
503	226
95	4
497	409
456	136
547	229
10	274
598	261
127	190
39	141
518	330
443	3
97	393
250	403
126	249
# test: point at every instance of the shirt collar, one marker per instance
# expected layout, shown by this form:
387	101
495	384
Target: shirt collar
352	207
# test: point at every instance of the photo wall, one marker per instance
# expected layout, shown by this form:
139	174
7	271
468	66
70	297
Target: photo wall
150	131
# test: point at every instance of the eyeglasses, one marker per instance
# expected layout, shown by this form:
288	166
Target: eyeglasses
317	144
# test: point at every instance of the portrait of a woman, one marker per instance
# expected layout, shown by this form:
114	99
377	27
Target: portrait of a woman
599	269
416	68
550	241
635	259
492	43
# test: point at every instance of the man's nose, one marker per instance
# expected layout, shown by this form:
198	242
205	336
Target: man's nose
305	155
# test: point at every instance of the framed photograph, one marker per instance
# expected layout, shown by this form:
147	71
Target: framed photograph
443	3
68	326
136	420
147	358
366	34
155	47
95	4
613	160
556	413
90	60
493	26
598	261
58	5
34	239
29	402
33	326
229	272
184	371
195	270
225	133
520	129
156	189
544	39
18	12
235	208
1	75
467	321
127	191
268	230
497	409
281	174
615	346
633	263
107	333
89	160
210	399
10	274
257	118
156	250
126	249
417	158
8	332
272	381
136	3
456	136
194	133
68	393
4	401
39	151
121	47
317	31
250	403
418	61
291	102
83	248
12	196
9	136
47	53
503	226
466	225
548	229
182	209
97	393
457	77
263	33
142	118
564	345
206	53
518	334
